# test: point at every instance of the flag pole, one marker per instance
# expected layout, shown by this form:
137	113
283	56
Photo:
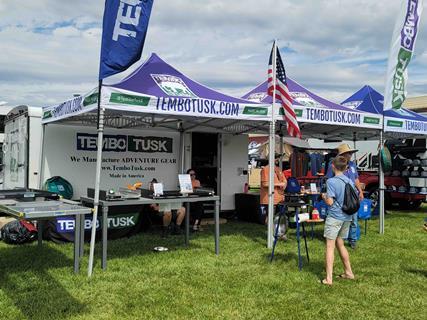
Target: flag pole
100	129
272	148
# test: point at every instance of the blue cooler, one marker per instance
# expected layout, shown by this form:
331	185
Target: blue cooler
365	211
322	207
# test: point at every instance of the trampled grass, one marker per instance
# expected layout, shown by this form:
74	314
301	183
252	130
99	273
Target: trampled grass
240	283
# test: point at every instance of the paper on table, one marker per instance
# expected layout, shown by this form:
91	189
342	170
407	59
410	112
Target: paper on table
185	183
158	189
313	188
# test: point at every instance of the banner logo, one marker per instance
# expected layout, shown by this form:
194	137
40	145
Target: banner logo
305	100
352	104
173	86
123	143
66	224
257	97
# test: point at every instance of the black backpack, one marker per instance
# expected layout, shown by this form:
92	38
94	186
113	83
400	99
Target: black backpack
18	232
351	203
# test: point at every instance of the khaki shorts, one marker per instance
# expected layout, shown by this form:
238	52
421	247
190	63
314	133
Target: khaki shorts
336	228
168	207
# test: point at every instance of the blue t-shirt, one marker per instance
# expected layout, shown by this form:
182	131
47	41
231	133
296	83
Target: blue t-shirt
350	173
335	187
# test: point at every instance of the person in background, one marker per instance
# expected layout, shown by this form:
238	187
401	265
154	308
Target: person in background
347	152
337	222
196	208
165	213
280	183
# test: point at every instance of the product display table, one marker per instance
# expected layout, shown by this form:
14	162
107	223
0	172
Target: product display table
104	206
41	209
296	204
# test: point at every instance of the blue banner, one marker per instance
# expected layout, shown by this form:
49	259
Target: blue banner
123	34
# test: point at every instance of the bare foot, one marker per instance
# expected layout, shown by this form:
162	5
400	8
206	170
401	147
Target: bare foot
346	276
326	282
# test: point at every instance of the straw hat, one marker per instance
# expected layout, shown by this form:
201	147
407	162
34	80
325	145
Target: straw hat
345	148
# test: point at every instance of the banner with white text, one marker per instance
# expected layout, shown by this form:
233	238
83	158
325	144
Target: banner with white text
401	51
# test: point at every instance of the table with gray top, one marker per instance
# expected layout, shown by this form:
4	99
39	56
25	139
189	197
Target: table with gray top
40	210
104	206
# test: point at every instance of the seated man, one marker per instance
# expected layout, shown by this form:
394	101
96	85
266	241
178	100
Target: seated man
166	212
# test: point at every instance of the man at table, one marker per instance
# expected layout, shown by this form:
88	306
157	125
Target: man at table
280	183
351	172
167	212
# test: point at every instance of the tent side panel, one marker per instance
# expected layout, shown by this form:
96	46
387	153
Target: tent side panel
234	160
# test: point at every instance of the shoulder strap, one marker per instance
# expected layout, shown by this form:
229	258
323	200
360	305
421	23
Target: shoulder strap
341	179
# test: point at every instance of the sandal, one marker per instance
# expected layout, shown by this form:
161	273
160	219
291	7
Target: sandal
345	276
325	283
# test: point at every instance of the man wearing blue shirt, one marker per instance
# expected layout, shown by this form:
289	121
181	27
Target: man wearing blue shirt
337	222
347	152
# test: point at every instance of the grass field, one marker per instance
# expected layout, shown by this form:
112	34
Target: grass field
193	283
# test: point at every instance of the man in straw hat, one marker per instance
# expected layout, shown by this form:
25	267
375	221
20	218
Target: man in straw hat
347	152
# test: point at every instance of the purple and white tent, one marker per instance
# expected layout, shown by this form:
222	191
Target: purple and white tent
157	94
319	117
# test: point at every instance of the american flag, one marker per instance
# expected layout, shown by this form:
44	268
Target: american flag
282	93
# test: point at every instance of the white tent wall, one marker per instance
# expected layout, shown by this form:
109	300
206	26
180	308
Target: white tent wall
70	152
234	160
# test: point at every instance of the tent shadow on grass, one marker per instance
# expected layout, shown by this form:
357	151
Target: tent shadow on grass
314	266
25	279
417	272
142	244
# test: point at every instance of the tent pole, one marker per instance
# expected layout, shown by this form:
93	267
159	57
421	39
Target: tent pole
281	148
41	163
381	178
100	129
181	148
355	146
272	145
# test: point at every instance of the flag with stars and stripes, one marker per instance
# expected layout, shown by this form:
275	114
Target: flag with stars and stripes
282	93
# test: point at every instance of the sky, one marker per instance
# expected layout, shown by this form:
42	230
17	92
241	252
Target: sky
50	48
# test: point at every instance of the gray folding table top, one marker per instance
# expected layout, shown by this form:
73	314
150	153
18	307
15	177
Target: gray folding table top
42	209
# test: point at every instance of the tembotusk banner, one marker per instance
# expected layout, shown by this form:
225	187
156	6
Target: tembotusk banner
401	51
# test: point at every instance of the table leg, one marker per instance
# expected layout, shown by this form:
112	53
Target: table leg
104	237
82	235
77	243
305	241
298	239
217	227
187	224
276	233
40	232
312	231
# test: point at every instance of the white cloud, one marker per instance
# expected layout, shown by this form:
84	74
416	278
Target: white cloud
65	32
50	48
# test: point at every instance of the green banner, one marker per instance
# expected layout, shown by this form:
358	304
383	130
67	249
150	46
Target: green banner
298	112
90	99
371	120
129	99
47	114
257	111
395	123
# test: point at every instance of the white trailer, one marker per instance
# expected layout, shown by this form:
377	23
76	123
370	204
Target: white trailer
21	148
